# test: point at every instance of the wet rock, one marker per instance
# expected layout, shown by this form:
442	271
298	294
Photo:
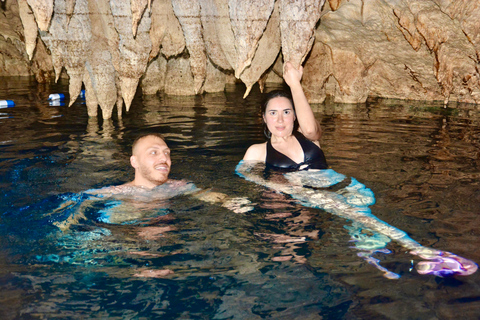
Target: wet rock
248	21
297	27
43	10
410	49
267	52
29	26
212	22
188	13
134	52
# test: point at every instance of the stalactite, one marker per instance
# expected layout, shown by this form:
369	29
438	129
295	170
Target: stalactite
334	4
188	13
267	51
209	16
158	28
173	42
214	79
29	26
297	27
77	43
90	96
134	52
43	10
249	19
55	38
138	8
414	49
223	31
103	55
70	7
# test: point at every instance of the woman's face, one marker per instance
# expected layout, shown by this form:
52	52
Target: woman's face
279	117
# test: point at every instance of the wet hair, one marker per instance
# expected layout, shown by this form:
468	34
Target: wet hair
140	137
272	95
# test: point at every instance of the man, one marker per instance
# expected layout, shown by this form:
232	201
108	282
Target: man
151	160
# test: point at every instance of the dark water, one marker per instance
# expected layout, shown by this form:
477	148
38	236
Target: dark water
421	160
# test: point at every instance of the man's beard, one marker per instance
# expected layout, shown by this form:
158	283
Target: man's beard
150	175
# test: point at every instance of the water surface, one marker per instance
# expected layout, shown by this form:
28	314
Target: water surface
420	159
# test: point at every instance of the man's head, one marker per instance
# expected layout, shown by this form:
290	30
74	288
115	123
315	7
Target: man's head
151	160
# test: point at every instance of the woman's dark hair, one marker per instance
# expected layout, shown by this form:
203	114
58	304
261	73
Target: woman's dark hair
276	94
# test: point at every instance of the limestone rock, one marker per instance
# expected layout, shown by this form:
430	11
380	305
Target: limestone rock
188	13
70	8
179	79
223	31
153	80
215	79
334	4
249	19
166	30
43	10
90	96
297	27
134	52
210	16
267	52
29	26
103	56
77	43
319	67
55	38
138	8
409	49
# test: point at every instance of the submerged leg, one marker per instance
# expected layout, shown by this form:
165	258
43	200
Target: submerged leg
352	203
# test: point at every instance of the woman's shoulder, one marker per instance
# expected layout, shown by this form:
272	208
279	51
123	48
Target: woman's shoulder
256	152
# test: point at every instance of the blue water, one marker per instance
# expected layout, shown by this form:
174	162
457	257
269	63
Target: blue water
182	258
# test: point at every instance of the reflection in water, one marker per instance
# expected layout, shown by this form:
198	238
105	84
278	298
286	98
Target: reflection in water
184	258
352	203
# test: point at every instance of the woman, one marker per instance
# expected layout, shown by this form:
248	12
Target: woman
293	132
296	147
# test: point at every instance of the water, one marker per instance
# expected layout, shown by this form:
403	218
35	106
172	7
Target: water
187	259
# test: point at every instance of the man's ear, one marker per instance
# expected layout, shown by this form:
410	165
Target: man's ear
133	162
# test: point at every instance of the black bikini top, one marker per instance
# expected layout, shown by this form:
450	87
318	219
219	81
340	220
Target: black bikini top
313	159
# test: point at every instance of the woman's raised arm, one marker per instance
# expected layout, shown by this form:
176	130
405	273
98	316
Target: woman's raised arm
309	126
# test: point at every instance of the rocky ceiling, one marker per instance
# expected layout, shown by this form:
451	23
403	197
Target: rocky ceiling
350	49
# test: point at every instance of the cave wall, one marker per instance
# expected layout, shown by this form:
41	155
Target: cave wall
350	49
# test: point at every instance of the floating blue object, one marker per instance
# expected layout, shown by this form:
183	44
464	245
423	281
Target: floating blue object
56	96
6	104
56	103
82	94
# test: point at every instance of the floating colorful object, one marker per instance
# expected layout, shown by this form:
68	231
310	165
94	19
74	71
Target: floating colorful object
56	103
445	264
6	104
56	96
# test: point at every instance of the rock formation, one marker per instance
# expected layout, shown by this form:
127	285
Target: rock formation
350	49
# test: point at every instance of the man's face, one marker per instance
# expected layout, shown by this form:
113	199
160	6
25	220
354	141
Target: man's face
151	160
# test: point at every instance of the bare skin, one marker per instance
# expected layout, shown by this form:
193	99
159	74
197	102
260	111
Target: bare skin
280	116
151	161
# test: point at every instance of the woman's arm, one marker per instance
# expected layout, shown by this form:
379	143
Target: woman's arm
309	126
